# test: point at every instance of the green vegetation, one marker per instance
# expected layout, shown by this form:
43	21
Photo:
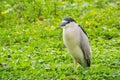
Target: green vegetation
31	46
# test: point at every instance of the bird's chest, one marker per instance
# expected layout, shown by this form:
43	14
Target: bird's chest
71	37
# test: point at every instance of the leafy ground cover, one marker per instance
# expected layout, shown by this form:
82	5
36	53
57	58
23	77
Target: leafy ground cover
31	46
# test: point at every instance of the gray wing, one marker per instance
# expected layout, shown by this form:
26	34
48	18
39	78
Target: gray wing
84	45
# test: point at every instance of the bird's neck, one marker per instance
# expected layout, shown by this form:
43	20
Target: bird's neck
70	25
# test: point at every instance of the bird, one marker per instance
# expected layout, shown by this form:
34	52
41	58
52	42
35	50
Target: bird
76	41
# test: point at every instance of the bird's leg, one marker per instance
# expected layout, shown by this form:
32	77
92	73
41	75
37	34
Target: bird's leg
75	64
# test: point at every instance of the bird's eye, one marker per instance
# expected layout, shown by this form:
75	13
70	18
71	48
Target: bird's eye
64	21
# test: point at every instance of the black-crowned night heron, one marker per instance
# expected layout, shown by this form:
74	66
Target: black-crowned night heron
76	41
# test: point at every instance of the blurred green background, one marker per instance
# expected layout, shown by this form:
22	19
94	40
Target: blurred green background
31	46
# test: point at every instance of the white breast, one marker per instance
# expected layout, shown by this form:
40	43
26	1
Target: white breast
71	36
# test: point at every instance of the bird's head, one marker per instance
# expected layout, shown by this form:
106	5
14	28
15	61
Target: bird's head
67	21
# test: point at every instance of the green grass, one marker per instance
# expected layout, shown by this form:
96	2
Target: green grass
31	46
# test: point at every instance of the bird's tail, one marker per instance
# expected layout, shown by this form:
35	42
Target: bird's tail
88	62
85	64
